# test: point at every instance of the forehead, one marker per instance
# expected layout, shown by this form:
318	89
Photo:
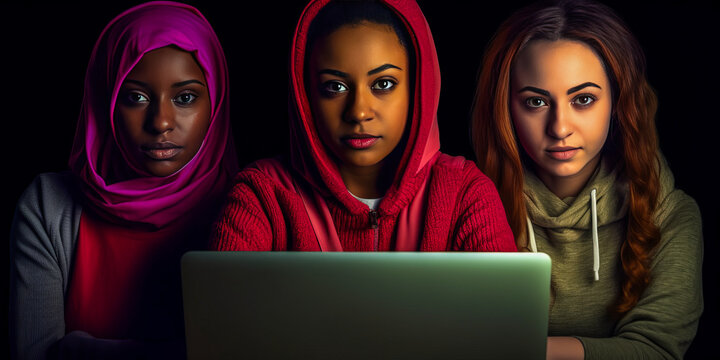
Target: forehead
366	43
167	62
561	63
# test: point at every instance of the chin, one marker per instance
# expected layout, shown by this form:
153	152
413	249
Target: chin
162	172
362	160
566	169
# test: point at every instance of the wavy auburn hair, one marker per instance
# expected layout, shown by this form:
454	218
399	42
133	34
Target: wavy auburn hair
632	140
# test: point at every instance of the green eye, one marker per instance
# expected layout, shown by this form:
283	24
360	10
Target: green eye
136	98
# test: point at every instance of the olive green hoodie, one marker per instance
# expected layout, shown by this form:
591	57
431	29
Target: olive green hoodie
664	321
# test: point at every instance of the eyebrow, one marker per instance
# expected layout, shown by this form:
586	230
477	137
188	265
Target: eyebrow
187	82
334	72
376	70
175	85
534	89
382	68
582	86
570	91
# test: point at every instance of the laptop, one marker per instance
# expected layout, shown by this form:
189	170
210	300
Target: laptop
392	305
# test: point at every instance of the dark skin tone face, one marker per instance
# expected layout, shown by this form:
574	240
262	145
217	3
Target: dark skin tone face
359	90
162	111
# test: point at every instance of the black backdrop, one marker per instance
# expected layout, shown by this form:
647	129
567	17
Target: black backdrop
46	47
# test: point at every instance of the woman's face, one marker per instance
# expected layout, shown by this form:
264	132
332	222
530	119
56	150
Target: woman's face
560	104
359	90
163	111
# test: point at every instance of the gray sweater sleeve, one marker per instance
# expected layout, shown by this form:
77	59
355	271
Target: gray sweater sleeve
42	240
664	322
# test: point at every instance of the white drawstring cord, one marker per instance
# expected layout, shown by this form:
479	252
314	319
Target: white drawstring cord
531	235
596	247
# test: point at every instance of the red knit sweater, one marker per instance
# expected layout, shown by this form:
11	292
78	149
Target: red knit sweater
464	213
461	209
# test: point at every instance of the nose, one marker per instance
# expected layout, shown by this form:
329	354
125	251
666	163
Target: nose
559	124
162	117
359	107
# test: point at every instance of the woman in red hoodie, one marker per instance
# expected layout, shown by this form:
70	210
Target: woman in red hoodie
365	172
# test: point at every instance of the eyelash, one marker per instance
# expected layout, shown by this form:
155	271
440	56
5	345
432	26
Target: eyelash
529	105
590	97
392	84
128	98
192	100
130	101
326	89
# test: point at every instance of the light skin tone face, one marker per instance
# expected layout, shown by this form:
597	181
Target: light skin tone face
359	91
561	104
162	111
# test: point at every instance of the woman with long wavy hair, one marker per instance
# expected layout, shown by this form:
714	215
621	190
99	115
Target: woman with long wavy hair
564	123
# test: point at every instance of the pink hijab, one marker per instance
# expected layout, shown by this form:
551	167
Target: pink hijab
96	157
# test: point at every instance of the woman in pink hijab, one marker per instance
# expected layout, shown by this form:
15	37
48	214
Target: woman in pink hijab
95	251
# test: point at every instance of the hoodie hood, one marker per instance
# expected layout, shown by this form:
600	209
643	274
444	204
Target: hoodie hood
309	156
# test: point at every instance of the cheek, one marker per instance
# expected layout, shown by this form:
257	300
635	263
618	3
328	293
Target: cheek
128	126
397	108
198	130
327	115
596	130
529	128
398	118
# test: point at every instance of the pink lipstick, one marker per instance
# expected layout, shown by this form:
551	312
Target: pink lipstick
161	151
360	141
562	153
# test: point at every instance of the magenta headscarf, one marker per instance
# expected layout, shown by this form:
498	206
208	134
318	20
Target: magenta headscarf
96	157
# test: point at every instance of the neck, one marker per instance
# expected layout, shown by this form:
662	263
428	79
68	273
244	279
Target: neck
372	182
566	186
369	182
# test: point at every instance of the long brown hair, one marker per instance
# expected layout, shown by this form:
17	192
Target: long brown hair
633	137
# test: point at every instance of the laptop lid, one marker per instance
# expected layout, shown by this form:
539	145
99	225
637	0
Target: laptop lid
335	305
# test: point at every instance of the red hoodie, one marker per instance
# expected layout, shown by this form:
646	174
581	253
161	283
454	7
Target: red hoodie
444	202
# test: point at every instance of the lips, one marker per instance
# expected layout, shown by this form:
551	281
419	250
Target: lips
562	153
161	150
359	141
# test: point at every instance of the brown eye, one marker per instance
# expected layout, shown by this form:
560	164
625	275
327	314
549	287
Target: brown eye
584	100
185	99
383	84
333	87
535	102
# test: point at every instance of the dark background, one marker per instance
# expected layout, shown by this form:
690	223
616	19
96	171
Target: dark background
46	48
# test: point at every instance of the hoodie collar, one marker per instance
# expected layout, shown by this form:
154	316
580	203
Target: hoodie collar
546	210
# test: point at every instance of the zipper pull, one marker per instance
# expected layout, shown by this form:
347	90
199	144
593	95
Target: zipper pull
373	219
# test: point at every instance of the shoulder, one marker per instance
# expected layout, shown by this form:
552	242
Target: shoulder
676	206
50	193
47	218
468	174
680	224
266	181
265	172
